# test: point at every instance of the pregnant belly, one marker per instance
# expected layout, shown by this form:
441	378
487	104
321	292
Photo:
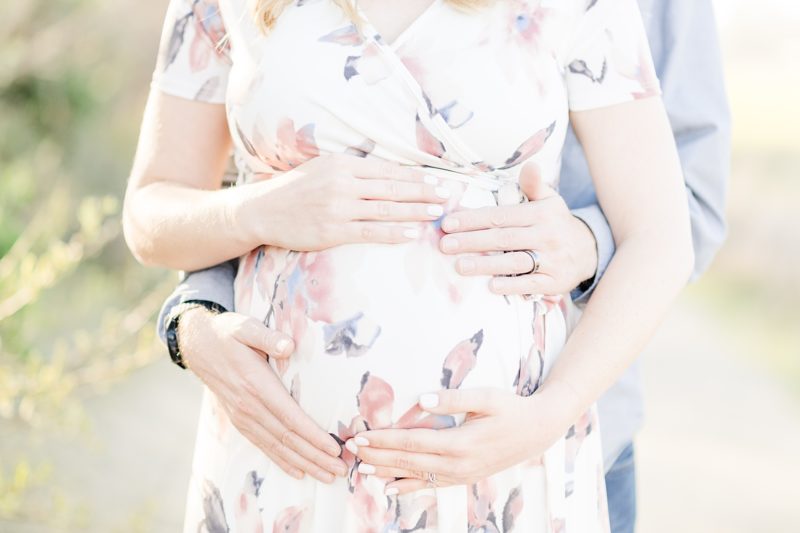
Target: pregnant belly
376	325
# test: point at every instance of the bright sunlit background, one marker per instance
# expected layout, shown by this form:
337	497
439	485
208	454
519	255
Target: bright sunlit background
96	428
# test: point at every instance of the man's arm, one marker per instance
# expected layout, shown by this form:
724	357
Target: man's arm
685	46
213	284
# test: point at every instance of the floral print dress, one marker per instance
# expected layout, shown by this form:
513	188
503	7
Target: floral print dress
470	96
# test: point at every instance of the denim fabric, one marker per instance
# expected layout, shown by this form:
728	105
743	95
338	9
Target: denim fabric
621	489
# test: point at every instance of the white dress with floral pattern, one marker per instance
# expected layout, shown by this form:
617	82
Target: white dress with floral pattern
470	96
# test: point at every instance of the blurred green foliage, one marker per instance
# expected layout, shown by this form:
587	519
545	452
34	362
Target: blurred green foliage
75	310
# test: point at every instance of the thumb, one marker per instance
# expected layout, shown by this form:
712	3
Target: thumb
259	337
532	184
455	401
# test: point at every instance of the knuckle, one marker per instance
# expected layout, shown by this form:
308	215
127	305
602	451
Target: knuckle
505	238
498	218
286	419
403	463
277	447
367	232
384	209
393	188
410	444
287	438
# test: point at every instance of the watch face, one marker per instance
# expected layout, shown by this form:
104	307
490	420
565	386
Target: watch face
172	341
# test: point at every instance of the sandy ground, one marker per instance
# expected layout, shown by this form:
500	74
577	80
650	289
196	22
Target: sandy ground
719	453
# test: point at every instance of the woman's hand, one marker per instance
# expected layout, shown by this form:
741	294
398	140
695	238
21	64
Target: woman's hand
501	429
564	244
227	352
339	199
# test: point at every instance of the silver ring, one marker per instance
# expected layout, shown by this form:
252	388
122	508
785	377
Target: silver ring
431	479
536	262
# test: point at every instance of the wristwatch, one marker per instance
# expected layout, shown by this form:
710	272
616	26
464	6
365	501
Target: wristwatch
174	319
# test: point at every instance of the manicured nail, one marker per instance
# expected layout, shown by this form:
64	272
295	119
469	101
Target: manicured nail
467	266
431	180
361	441
429	400
364	468
351	446
450	224
435	210
282	345
449	244
411	233
442	192
391	491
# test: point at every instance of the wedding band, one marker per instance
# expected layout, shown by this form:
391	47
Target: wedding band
536	262
431	479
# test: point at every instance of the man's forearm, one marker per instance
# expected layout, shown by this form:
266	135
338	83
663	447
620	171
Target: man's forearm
213	284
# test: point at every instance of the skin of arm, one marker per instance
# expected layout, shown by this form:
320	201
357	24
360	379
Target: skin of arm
173	196
685	45
632	156
176	216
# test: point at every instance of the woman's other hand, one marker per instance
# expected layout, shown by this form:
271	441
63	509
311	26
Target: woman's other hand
564	244
227	352
341	199
501	429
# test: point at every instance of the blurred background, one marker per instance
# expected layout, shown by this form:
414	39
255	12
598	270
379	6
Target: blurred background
97	428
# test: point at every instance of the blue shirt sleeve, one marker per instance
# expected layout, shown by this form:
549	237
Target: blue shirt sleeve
684	42
213	284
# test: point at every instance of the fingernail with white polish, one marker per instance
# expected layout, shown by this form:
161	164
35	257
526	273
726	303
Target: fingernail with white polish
361	441
411	233
282	345
391	491
429	400
351	446
435	210
442	192
431	180
364	468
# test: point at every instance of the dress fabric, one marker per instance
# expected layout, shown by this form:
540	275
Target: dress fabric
470	96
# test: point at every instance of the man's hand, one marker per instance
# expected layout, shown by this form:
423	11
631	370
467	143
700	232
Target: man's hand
227	351
564	244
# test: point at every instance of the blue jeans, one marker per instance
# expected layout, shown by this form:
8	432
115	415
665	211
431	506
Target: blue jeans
621	490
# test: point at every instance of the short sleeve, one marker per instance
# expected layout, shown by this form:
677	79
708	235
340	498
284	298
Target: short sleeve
607	60
194	54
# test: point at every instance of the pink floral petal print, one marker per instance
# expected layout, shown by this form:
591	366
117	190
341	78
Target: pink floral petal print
213	510
346	36
512	509
289	520
248	514
375	401
427	142
370	66
530	372
199	51
460	361
361	150
480	512
352	337
530	147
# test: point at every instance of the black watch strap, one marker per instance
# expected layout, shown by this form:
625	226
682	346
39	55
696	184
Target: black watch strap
174	319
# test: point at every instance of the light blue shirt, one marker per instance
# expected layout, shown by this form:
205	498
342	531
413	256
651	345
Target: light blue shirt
683	39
